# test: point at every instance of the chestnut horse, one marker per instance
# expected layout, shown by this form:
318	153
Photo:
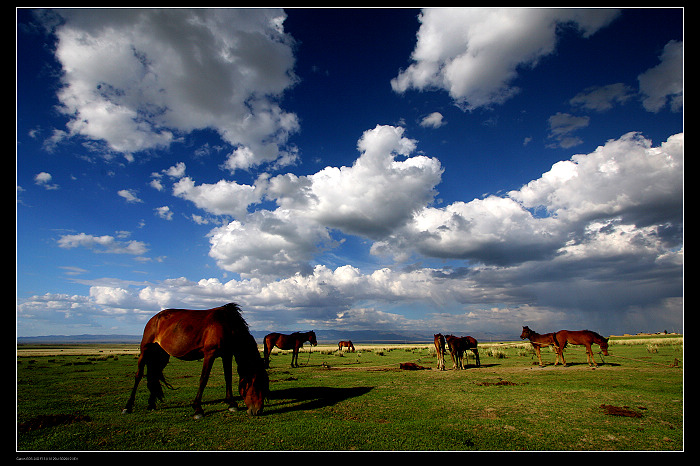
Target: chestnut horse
581	337
346	344
202	334
440	350
539	340
458	346
285	342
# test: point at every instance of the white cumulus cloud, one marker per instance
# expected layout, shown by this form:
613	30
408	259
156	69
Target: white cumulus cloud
221	198
105	243
663	84
380	192
475	53
635	189
139	79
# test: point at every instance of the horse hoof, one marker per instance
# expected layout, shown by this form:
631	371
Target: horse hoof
198	416
126	411
233	409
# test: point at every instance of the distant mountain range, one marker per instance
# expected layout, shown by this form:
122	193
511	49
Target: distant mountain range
323	337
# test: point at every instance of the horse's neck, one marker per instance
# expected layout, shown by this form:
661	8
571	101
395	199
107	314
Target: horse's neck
248	359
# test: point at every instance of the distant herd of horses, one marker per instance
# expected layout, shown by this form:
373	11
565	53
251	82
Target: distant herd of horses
558	341
222	332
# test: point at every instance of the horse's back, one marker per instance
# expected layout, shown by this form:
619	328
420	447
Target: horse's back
577	337
471	342
184	333
275	339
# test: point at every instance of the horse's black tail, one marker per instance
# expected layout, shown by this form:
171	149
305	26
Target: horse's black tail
156	361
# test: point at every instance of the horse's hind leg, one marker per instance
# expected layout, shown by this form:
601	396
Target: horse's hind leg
139	375
556	353
441	362
267	349
156	358
560	354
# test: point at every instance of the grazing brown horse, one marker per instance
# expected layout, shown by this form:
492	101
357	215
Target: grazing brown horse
458	346
581	337
346	344
202	334
539	340
440	350
285	342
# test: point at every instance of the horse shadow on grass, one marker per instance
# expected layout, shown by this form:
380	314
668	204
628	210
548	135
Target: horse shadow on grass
584	363
284	400
307	398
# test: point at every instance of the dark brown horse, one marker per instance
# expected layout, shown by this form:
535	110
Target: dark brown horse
539	340
439	341
346	344
581	337
285	342
458	346
202	334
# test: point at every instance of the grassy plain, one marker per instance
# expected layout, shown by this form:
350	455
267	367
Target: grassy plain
72	401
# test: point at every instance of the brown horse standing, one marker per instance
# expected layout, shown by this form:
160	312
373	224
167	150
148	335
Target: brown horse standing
471	344
581	337
285	342
346	344
202	334
539	340
440	350
458	346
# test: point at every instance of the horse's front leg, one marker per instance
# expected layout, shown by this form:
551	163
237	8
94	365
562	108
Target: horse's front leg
589	355
295	357
539	354
206	370
228	368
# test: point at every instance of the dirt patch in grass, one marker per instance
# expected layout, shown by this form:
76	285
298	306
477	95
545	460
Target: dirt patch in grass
410	366
624	411
500	382
50	420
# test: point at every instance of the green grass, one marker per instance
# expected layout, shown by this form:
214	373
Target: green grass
363	401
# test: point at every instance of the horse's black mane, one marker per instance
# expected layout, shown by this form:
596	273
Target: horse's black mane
234	312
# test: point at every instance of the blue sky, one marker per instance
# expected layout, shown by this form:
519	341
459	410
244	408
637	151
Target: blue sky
463	171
